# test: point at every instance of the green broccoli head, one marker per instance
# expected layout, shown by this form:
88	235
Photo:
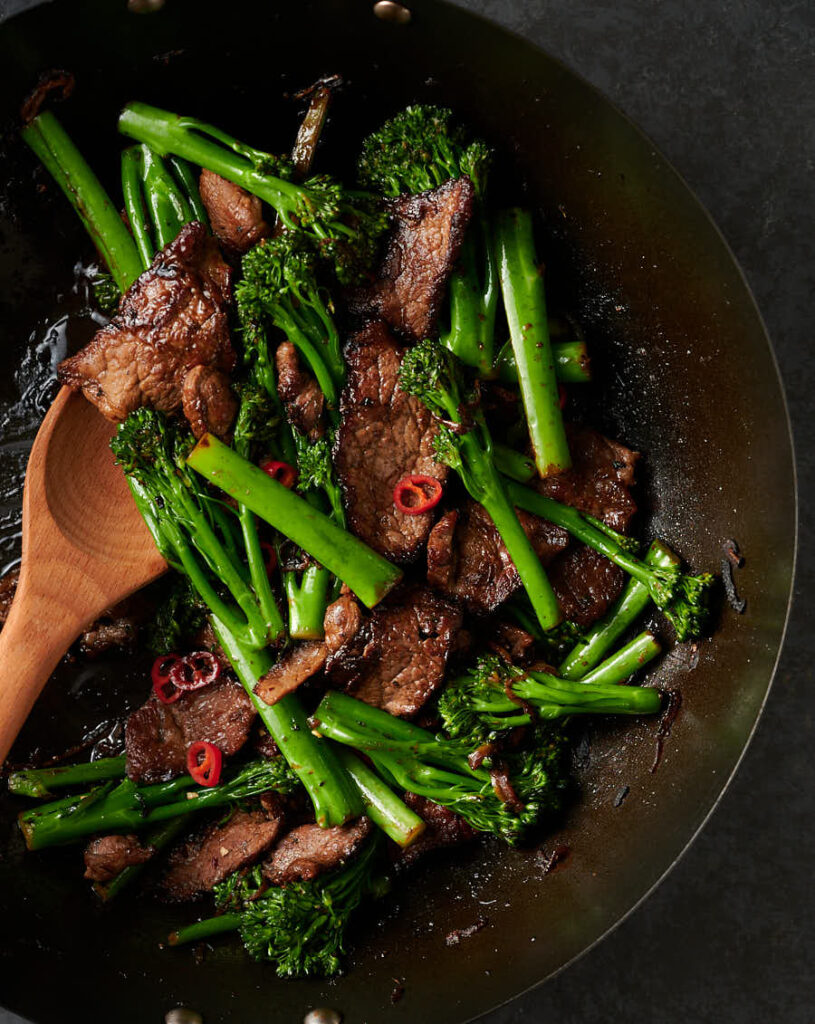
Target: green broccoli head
177	618
428	372
419	149
689	609
301	928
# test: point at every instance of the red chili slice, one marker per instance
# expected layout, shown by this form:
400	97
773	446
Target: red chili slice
280	471
195	670
164	686
269	556
204	763
416	486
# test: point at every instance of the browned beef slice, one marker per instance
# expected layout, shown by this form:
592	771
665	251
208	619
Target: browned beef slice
309	850
108	856
209	402
296	665
118	627
384	435
397	659
200	863
171	319
157	735
444	828
466	557
300	393
600	479
236	216
585	583
512	642
342	622
8	588
421	251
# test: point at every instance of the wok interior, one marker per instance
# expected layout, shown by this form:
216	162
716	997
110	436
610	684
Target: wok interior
683	372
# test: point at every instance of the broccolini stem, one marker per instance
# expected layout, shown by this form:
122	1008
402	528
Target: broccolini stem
572	363
41	782
366	573
525	305
590	649
307	597
169	209
159	838
205	929
474	301
381	804
134	203
512	464
334	797
489	490
259	574
189	185
49	140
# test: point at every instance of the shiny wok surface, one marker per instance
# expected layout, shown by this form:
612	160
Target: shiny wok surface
684	373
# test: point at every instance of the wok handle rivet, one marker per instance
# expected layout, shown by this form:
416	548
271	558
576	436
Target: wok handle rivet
322	1015
183	1015
144	6
390	10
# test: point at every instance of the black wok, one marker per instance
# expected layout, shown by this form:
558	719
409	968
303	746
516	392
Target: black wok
684	372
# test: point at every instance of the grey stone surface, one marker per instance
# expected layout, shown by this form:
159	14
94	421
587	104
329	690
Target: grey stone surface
726	90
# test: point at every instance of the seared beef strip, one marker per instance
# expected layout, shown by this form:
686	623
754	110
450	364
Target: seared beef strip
512	642
342	622
600	479
172	319
235	215
309	850
421	252
384	435
586	583
157	735
209	402
300	393
107	856
397	659
205	860
297	664
466	557
444	829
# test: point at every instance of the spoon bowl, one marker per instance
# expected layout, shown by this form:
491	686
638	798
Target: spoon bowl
85	547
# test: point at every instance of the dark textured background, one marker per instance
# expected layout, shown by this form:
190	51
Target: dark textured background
726	90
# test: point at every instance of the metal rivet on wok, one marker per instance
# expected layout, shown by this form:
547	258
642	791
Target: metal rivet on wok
144	6
322	1015
389	10
181	1015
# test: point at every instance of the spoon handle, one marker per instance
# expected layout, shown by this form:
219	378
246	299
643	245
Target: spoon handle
40	627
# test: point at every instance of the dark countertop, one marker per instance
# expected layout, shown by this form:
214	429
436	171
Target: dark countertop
725	90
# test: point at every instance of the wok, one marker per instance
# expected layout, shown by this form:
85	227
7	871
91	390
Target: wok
684	372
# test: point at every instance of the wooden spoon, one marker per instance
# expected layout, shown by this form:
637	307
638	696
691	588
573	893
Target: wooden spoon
85	547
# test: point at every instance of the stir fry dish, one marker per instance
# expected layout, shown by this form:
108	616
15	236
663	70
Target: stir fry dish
398	571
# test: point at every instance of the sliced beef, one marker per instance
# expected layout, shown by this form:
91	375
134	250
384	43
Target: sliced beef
444	829
300	393
207	859
466	557
107	856
157	735
586	583
428	230
397	659
236	216
297	664
8	588
512	642
209	402
600	479
118	627
342	622
383	436
172	319
309	850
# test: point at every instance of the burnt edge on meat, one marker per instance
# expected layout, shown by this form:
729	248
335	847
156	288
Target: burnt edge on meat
421	251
